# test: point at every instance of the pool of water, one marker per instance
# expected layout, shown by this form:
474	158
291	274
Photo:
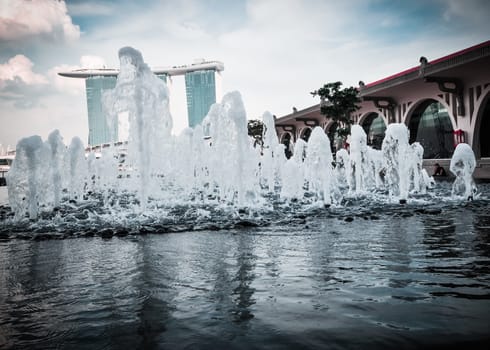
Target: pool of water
406	278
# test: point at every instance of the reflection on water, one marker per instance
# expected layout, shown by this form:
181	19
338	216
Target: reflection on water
440	237
404	280
482	235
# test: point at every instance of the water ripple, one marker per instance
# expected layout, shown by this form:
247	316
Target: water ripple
393	281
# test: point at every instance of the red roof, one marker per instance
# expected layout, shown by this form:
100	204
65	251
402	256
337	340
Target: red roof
438	60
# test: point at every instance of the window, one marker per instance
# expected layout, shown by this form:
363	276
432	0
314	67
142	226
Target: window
485	131
306	134
375	128
286	141
431	126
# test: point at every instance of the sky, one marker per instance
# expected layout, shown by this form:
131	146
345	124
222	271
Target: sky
275	52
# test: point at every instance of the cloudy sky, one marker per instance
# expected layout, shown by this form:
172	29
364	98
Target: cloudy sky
275	51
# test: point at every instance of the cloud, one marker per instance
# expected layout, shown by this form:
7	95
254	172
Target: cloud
19	84
65	85
286	49
20	67
91	8
34	103
23	19
92	62
275	52
25	88
472	11
68	114
73	86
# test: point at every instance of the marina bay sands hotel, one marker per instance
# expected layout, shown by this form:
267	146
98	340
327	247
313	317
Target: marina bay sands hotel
201	80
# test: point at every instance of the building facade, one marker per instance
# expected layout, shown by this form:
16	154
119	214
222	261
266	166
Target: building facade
200	88
98	129
443	102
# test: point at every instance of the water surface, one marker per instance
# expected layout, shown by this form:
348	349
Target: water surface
400	279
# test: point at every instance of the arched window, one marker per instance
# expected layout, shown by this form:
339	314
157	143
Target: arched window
305	135
485	130
430	125
286	141
375	128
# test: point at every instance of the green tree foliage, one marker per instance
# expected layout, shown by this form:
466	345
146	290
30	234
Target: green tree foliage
338	104
255	130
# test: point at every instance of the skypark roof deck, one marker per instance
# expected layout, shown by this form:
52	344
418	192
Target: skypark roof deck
171	71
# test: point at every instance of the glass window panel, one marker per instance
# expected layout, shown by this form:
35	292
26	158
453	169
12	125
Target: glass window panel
431	126
375	128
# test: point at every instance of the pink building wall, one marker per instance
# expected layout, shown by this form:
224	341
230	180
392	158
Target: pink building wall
469	68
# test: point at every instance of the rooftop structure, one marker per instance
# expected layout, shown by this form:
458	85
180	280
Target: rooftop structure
169	71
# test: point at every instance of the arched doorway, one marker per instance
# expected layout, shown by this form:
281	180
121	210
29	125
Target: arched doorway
374	126
485	130
430	125
305	134
286	141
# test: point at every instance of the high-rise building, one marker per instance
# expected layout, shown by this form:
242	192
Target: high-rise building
200	87
200	82
99	131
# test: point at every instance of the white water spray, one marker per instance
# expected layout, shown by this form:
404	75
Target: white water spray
395	150
319	168
463	165
144	97
156	170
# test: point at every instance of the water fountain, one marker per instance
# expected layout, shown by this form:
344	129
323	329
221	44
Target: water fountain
360	179
221	173
315	237
462	165
294	174
273	156
25	179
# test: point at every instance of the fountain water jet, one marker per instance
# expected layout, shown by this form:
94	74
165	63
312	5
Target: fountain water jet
272	154
319	169
77	167
221	173
24	178
57	152
145	98
343	168
293	180
462	165
359	179
395	150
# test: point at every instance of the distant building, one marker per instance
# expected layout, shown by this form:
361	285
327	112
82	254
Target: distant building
201	90
442	102
99	131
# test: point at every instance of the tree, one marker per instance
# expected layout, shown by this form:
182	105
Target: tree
338	104
255	130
